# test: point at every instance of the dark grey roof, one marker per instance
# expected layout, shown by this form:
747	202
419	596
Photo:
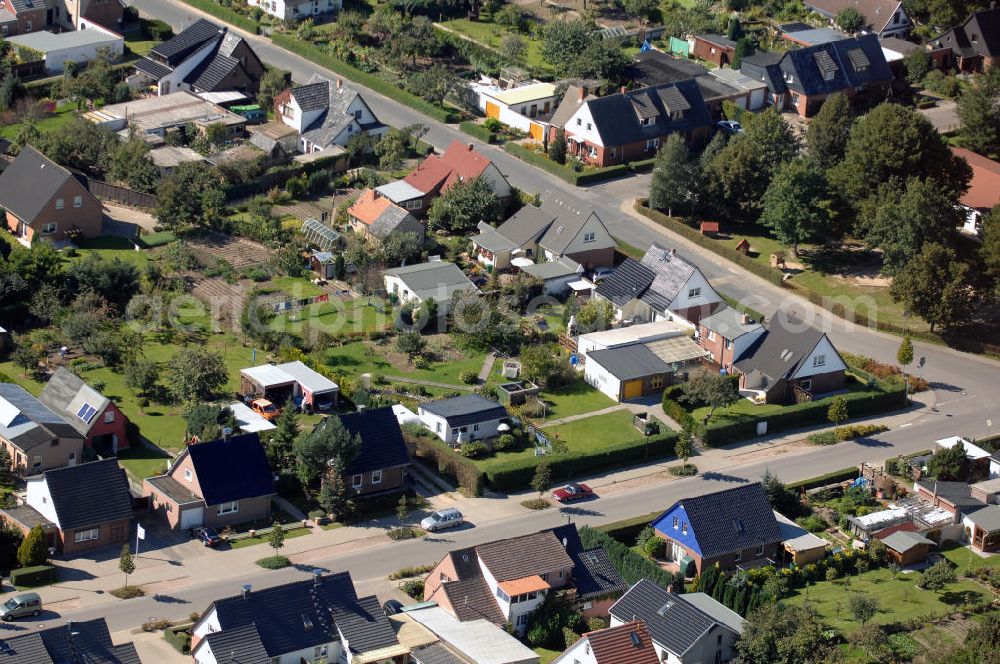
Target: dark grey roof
629	281
437	279
568	222
382	444
28	185
672	273
569	104
174	490
765	66
629	362
518	557
987	518
23	5
780	351
335	97
473	600
957	493
364	625
67	394
394	218
35	423
526	225
728	323
903	540
731	520
87	642
302	614
718	40
241	645
27	516
593	573
835	66
24	649
210	72
155	70
675	624
491	240
657	67
312	96
466	409
232	469
187	41
435	654
89	494
617	123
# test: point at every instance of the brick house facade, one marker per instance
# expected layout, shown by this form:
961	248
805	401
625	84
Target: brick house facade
715	49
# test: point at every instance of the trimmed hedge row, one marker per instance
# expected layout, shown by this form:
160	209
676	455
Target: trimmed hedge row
774	276
179	637
370	81
478	131
822	480
467	475
564	172
31	577
627	530
226	14
517	473
630	565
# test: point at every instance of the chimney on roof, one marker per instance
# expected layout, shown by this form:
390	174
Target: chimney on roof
583	92
340	83
246	590
746	319
317	576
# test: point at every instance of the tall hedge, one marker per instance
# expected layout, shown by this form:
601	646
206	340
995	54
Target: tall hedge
630	565
467	475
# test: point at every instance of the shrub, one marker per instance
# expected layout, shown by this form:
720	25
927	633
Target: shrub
480	131
469	377
464	472
655	547
473	450
127	592
407	572
812	523
155	625
414	588
179	638
505	443
536	504
31	577
274	562
684	470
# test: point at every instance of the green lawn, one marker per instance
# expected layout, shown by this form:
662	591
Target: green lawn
964	559
491	35
62	116
113	246
140	462
251	541
355	358
334	318
899	599
574	399
545	655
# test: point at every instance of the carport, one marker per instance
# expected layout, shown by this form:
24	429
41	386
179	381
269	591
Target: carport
268	381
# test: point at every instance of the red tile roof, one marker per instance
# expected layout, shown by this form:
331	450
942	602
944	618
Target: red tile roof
984	189
367	208
617	645
459	162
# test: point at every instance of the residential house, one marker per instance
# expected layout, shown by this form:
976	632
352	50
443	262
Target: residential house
803	34
790	362
297	10
523	107
801	546
289	381
376	218
896	51
152	118
462	419
984	529
327	114
661	286
18	17
734	528
473	641
437	280
203	57
983	192
908	548
550	232
76	641
638	360
687	628
652	68
93	415
987	491
382	460
77	14
974	45
727	334
556	276
628	643
978	459
216	483
885	18
81	508
319	619
506	580
955	498
801	79
715	49
36	438
41	199
629	125
77	46
437	174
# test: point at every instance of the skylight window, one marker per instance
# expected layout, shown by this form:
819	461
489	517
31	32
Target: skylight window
635	639
307	622
86	412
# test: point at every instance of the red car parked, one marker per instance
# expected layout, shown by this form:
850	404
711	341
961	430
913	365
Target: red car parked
571	492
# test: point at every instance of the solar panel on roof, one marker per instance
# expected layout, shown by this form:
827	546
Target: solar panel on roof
86	412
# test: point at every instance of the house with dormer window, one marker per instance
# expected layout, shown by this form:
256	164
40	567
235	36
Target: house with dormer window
883	18
630	125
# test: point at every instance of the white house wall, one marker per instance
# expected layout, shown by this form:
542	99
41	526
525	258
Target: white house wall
597	376
581	126
578	653
744	341
39	498
437	425
833	361
707	295
174	81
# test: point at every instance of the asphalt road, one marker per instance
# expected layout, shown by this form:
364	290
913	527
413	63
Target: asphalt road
965	387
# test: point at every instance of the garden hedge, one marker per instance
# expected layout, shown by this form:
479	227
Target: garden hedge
478	131
566	173
30	577
517	473
310	52
691	233
179	637
226	14
631	566
465	473
627	530
822	480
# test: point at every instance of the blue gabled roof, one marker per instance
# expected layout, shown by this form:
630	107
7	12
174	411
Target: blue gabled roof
232	469
852	62
382	444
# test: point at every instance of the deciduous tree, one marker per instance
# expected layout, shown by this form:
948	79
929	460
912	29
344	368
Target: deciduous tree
796	205
862	606
782	634
675	178
938	575
978	111
712	389
936	287
541	481
830	130
460	209
196	373
851	20
838	412
126	565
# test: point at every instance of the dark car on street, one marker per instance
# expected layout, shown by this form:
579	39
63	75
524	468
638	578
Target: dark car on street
207	535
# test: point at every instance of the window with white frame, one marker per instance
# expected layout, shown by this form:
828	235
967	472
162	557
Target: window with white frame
188	475
87	535
677	523
60	203
738	557
806	385
356	481
760	550
711	335
229	508
694	292
49	228
652	144
589	237
109	416
376	477
523	619
475	427
78	201
819	361
729	344
684	528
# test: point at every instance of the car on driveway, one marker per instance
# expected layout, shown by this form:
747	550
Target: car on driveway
731	127
392	607
602	273
207	535
265	409
442	519
571	492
